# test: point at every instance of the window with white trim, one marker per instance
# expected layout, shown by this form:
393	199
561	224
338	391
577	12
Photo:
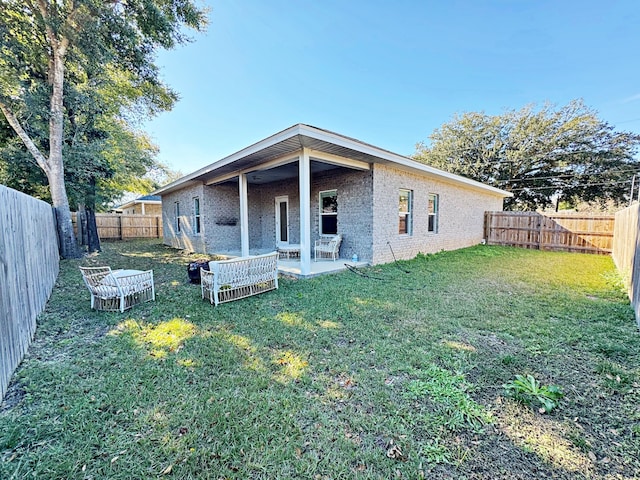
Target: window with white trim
177	212
196	215
328	212
405	224
433	205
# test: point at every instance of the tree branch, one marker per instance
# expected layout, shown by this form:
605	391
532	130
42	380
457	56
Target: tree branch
24	136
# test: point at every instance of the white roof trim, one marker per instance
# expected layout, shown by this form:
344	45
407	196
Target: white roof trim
135	202
399	159
336	139
256	147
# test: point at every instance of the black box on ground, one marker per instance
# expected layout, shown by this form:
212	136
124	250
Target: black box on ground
193	270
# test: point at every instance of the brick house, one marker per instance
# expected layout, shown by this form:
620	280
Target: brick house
146	205
305	182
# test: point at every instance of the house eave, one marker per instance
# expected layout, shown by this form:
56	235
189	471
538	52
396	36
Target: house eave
133	203
301	136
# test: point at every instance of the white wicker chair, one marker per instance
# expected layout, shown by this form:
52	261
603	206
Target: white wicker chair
327	247
228	280
118	290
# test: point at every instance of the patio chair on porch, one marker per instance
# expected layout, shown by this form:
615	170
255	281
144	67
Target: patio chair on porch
327	247
118	290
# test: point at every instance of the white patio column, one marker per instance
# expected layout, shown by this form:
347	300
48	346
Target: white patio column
304	177
244	215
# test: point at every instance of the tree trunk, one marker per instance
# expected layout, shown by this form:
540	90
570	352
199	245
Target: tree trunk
81	226
93	239
55	165
92	229
68	246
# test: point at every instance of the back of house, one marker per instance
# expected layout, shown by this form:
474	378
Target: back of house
305	183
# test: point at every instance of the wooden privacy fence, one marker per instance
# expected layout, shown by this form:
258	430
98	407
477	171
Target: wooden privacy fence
29	265
626	253
559	232
114	226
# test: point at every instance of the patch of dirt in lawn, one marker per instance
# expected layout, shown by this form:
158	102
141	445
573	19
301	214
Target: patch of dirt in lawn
492	344
15	394
496	456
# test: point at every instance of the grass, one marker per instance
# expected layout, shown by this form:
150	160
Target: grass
394	376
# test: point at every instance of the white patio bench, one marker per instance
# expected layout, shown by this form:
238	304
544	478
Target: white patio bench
118	290
240	277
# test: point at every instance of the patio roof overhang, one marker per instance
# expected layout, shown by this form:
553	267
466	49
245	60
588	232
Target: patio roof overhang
275	156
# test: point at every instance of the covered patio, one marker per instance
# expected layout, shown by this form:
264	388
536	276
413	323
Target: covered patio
275	178
297	169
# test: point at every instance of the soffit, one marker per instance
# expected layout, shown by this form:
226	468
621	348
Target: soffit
290	146
290	142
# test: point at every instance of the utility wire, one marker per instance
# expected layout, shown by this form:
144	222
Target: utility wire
569	175
571	186
627	121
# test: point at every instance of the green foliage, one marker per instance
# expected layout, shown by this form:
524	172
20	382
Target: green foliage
448	393
529	391
434	452
111	82
538	154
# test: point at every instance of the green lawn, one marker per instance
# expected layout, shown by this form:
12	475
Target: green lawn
396	374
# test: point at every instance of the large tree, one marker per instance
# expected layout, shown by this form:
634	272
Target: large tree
541	155
49	47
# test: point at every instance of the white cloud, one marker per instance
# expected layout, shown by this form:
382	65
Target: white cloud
632	98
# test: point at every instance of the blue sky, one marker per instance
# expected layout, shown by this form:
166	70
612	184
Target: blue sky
390	72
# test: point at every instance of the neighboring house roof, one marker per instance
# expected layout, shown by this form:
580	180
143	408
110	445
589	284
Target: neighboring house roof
147	199
290	141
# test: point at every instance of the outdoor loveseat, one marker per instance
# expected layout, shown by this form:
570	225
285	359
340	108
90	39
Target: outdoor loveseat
228	280
118	290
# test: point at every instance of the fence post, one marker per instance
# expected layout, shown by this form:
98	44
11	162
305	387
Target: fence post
486	227
120	227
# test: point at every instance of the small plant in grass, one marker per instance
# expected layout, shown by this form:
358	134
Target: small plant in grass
509	360
448	392
529	391
433	452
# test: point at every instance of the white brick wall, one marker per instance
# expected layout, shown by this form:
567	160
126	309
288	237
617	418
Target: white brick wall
367	214
355	211
186	239
461	214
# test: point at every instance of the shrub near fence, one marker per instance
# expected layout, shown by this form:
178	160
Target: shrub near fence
29	265
114	226
559	232
626	253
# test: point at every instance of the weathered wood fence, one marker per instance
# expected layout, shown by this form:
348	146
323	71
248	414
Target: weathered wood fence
114	226
29	265
626	253
559	232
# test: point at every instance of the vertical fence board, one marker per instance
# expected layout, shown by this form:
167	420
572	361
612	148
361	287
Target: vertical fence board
29	265
115	226
557	232
626	253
